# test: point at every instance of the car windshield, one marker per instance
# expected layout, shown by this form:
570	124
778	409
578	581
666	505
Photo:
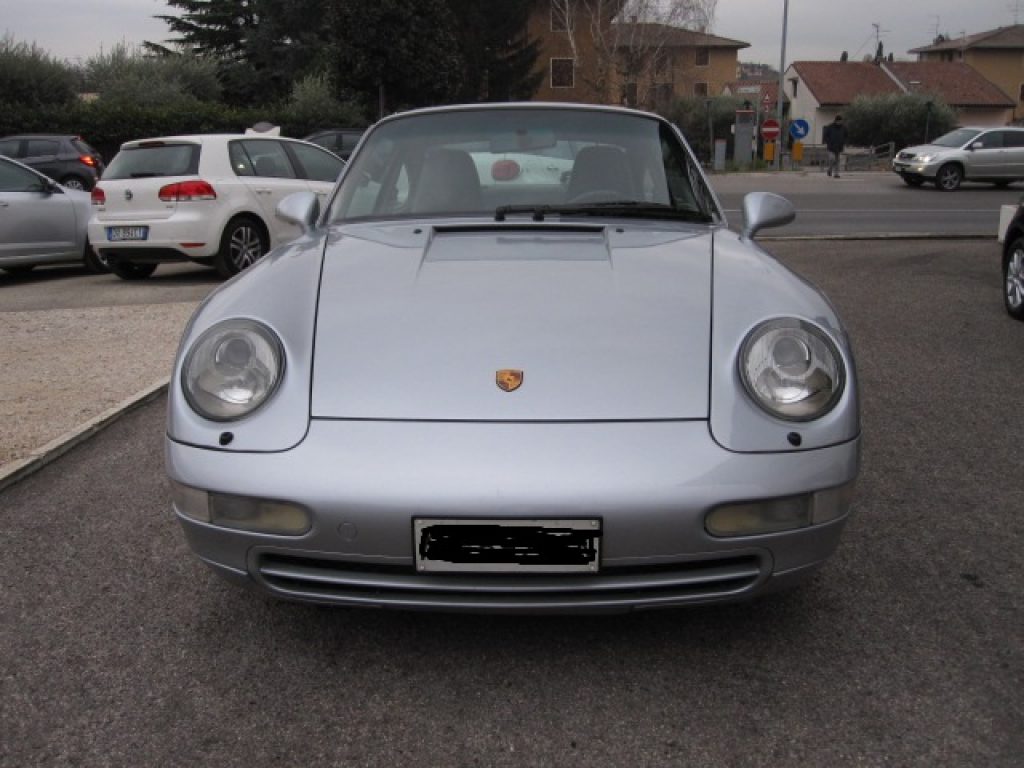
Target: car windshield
509	162
956	138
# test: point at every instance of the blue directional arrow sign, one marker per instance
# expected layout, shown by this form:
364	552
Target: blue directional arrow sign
798	129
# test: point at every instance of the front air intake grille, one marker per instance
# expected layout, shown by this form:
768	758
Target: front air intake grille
347	583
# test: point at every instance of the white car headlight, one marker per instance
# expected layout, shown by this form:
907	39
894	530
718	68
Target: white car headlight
792	369
925	158
232	369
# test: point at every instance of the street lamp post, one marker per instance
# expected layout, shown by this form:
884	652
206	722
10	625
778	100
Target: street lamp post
782	83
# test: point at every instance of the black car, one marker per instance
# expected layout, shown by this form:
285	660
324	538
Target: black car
64	158
1013	265
340	141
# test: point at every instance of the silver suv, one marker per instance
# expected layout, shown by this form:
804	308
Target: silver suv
967	154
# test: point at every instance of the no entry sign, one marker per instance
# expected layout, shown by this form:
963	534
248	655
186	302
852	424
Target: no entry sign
770	129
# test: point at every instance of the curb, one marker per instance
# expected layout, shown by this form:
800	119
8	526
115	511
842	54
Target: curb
40	457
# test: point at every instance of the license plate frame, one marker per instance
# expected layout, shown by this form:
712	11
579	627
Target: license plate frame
127	234
504	545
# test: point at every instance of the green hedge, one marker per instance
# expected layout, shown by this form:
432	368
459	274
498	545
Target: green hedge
107	126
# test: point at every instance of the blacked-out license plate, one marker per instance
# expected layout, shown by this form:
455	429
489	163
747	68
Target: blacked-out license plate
507	546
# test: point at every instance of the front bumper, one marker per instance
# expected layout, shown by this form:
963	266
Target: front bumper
915	169
651	485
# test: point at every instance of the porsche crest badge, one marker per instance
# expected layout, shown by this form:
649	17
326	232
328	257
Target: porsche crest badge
508	379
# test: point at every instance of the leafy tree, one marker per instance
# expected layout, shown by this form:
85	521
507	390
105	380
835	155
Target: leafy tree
899	117
31	76
129	76
691	115
499	58
313	102
395	53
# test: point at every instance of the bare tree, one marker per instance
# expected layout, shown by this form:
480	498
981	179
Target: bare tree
626	41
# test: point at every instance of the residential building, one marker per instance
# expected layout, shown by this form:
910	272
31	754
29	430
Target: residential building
637	64
997	54
819	90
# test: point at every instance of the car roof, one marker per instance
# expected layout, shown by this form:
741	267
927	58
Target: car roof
204	138
528	105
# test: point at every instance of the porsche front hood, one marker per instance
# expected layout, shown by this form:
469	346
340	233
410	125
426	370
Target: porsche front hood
604	323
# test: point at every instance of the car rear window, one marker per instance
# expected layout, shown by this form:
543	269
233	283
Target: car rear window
41	148
151	160
82	147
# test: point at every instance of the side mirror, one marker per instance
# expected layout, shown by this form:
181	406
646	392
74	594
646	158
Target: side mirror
764	209
301	209
976	145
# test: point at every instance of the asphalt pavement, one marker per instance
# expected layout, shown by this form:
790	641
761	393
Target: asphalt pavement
117	648
869	204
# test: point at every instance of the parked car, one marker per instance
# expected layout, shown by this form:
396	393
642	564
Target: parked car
994	155
339	140
41	222
208	199
1013	265
67	159
444	397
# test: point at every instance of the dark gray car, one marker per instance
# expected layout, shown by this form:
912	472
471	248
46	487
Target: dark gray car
64	158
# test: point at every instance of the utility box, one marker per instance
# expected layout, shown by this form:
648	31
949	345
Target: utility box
720	148
743	144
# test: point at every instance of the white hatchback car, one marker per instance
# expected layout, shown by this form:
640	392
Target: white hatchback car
208	199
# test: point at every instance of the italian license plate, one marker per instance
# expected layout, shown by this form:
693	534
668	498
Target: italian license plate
120	234
451	545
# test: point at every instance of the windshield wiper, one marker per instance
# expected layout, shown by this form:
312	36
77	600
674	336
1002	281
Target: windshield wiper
618	208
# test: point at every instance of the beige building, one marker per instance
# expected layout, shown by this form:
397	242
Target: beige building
642	65
998	55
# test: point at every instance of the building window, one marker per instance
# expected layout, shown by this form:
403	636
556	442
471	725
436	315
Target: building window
700	89
703	56
559	12
663	93
793	81
562	75
662	63
1020	93
629	95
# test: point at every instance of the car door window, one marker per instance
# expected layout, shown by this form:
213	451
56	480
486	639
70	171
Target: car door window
990	140
15	179
1013	139
240	162
317	164
269	159
9	148
40	148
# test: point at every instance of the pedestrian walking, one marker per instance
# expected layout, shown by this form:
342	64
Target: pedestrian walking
835	143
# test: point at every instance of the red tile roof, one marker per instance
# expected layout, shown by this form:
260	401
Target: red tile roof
1003	37
958	84
837	83
647	33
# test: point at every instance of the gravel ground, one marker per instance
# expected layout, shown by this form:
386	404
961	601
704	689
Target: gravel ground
60	368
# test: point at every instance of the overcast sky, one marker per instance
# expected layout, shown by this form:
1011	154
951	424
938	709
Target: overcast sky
818	29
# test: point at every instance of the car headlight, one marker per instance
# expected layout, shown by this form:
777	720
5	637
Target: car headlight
792	369
232	369
925	158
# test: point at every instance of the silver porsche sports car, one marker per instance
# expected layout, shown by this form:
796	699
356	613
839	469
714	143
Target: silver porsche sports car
472	387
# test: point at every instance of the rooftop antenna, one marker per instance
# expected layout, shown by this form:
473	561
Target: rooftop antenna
1015	7
938	24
